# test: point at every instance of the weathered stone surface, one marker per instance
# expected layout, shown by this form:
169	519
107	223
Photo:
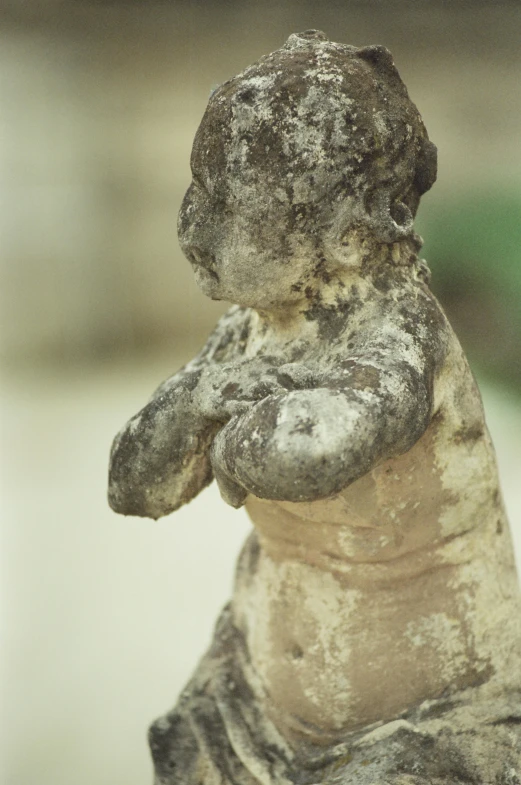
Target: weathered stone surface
374	635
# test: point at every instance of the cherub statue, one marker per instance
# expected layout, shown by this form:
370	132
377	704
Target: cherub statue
374	634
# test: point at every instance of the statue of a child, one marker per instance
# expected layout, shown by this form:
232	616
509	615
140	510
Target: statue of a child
374	633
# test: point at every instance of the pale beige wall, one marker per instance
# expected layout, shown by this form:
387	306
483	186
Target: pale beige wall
99	107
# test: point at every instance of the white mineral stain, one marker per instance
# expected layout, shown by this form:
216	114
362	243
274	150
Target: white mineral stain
443	634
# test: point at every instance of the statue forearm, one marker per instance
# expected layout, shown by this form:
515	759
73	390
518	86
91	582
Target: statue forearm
159	460
310	444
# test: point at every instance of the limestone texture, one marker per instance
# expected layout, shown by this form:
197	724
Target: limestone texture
374	633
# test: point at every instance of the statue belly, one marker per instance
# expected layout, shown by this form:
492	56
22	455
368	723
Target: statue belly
333	655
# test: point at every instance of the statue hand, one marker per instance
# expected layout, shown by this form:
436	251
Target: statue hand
230	389
256	380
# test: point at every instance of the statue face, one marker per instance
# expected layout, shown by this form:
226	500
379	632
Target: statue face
291	155
237	229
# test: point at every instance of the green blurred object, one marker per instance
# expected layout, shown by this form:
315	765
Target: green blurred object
473	246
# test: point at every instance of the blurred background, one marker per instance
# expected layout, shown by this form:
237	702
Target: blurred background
103	617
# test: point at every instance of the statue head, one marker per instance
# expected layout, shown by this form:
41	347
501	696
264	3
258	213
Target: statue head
312	144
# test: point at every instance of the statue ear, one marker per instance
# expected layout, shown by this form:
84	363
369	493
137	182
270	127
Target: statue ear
426	167
379	57
388	220
385	219
391	219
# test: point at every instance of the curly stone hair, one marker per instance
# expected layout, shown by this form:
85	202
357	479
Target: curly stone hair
332	124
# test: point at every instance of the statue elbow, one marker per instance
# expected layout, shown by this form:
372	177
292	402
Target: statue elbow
129	494
128	501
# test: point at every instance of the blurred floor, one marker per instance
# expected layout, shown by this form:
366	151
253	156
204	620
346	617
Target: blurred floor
104	617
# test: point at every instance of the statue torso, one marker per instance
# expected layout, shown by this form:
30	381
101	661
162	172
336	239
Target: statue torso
399	585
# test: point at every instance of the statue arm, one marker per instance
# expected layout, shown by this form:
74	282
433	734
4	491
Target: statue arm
160	459
309	444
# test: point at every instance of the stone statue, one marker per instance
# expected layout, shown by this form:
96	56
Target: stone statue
374	634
